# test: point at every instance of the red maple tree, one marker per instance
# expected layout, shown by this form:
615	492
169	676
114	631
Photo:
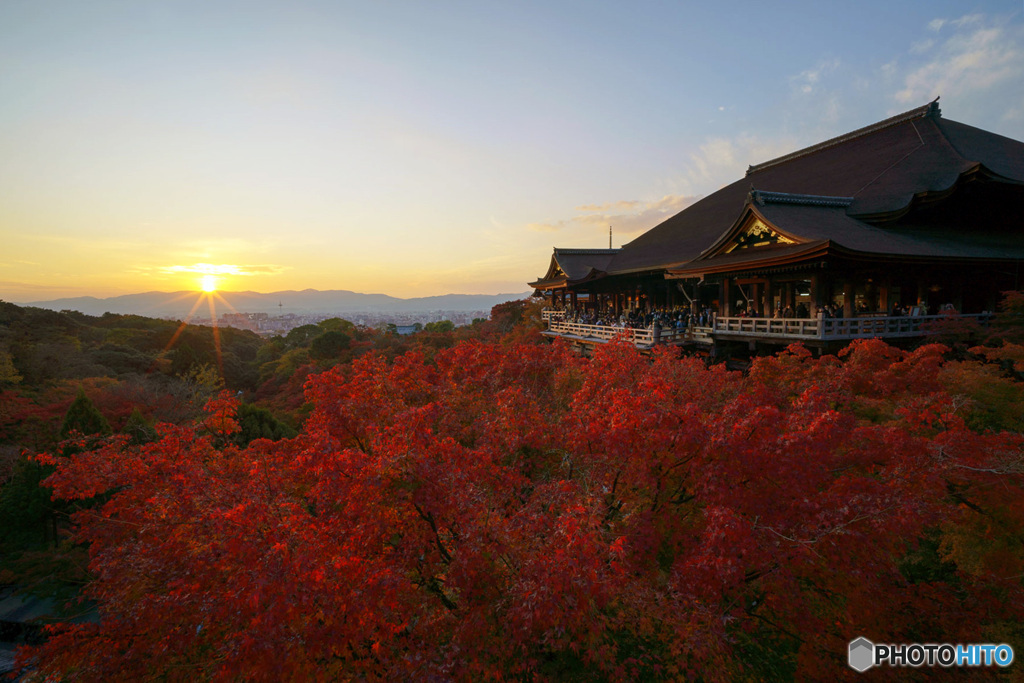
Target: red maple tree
517	511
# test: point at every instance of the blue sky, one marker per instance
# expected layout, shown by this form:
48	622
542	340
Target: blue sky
418	148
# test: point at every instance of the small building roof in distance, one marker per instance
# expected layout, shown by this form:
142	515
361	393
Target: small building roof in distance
573	265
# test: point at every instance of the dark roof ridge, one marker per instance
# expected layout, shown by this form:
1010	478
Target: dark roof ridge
762	197
572	250
930	109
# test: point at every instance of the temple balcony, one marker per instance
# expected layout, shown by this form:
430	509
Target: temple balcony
813	331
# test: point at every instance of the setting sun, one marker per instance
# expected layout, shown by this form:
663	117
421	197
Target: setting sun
208	283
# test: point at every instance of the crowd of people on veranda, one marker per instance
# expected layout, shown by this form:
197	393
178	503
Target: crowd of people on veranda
679	319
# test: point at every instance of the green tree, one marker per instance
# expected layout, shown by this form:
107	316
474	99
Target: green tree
28	516
26	512
301	336
337	324
8	373
286	365
85	418
138	428
439	326
184	358
259	423
330	344
202	381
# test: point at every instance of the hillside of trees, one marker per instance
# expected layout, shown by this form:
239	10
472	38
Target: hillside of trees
479	503
133	373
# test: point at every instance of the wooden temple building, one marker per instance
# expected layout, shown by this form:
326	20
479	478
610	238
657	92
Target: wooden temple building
915	215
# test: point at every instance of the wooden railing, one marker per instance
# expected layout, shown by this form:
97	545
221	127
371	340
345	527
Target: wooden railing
798	328
831	329
640	336
549	314
699	334
820	329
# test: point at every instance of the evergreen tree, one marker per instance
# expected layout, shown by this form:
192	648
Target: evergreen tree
330	344
138	428
85	418
26	512
259	423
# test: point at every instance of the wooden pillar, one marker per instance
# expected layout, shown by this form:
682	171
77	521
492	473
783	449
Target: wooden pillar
725	296
817	294
769	300
883	295
848	298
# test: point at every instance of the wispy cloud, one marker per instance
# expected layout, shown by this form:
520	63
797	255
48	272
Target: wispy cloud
546	227
626	217
968	20
720	161
29	286
922	46
809	79
980	55
225	269
622	205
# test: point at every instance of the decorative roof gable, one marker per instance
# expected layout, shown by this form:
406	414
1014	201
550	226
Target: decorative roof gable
756	234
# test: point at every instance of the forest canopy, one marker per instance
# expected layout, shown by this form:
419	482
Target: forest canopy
494	507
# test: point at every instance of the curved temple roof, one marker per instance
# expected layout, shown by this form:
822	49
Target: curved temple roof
574	265
850	190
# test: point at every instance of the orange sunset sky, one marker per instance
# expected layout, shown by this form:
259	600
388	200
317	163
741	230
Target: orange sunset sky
420	148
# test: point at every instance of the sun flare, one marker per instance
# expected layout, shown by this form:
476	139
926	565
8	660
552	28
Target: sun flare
208	283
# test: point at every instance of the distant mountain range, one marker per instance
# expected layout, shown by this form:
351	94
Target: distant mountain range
308	301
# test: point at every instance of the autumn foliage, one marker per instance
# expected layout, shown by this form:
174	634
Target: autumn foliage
517	511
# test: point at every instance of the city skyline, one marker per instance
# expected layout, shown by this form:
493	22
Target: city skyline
420	151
